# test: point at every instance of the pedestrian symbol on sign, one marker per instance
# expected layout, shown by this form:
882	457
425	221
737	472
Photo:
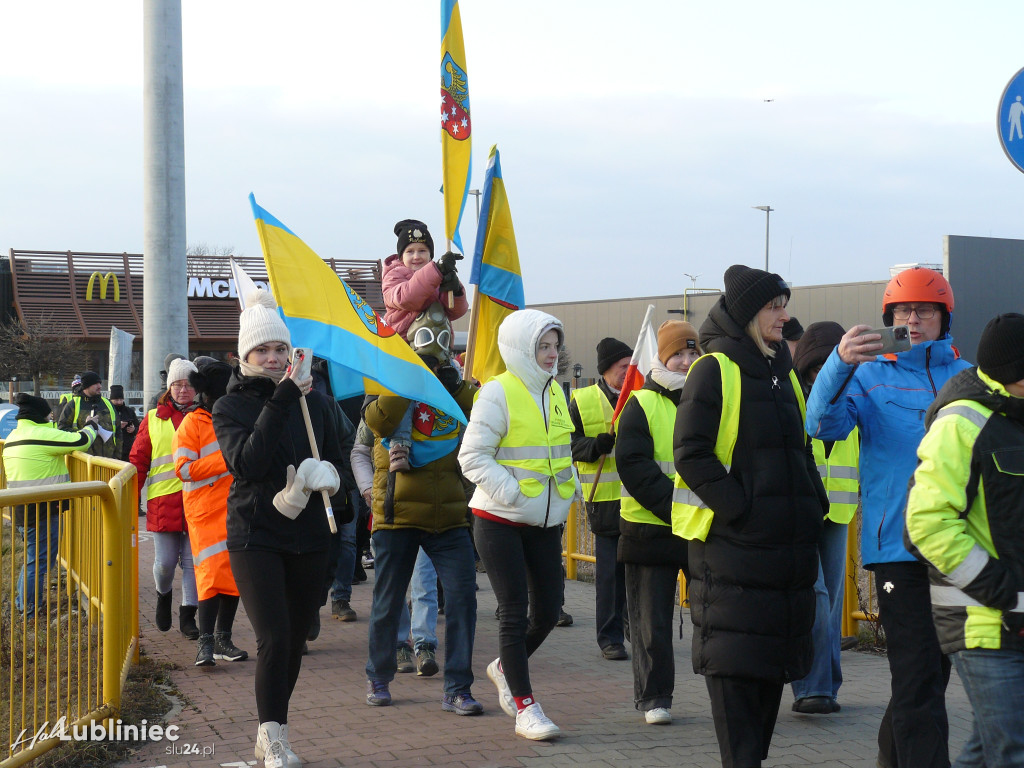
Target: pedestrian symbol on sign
1010	120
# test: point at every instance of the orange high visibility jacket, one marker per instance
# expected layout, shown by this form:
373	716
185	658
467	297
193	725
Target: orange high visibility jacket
206	481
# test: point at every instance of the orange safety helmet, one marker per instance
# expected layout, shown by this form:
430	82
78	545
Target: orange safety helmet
919	284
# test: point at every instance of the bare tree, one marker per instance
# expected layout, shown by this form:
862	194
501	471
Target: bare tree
564	360
203	249
37	348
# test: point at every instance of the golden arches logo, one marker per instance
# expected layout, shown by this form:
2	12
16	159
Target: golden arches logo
104	279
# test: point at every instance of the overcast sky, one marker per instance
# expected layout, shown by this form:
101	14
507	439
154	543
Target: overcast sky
635	137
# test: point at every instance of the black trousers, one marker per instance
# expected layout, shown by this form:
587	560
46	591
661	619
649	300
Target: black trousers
524	566
745	711
650	600
914	732
610	591
281	593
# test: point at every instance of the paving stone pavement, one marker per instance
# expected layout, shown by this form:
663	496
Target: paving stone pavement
589	698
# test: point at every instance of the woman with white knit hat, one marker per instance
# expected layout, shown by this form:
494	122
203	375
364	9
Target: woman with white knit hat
151	455
278	535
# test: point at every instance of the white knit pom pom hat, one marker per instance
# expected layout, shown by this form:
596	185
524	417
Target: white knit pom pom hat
260	323
179	369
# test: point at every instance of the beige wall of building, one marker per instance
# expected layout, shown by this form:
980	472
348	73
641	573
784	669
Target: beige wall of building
587	322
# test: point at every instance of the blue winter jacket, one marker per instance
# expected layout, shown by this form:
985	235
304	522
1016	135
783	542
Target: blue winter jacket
887	399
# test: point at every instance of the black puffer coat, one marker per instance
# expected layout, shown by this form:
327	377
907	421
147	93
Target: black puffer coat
260	430
751	588
646	543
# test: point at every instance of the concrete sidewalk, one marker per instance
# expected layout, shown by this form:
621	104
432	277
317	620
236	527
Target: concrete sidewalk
589	698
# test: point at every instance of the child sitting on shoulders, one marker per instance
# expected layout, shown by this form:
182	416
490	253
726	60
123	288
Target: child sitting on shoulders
411	282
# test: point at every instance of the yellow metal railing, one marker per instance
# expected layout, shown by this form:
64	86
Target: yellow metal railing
579	548
67	664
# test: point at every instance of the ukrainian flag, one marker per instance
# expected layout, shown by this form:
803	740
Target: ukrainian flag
324	313
456	125
495	272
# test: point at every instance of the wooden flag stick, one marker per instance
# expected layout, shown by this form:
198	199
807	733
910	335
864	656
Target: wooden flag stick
316	455
474	319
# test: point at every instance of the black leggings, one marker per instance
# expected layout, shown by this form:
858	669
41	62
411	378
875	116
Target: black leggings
281	594
217	612
524	566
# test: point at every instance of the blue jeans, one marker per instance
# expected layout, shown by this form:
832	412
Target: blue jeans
451	552
994	682
826	673
341	588
38	560
423	591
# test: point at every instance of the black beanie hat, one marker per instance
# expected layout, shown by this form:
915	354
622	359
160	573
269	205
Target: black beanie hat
89	378
31	407
1001	349
116	392
211	380
413	231
748	290
609	352
792	330
816	345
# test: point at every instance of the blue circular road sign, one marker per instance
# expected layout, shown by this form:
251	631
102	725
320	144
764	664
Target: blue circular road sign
1010	120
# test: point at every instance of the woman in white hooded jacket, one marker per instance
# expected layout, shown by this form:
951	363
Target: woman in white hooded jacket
516	450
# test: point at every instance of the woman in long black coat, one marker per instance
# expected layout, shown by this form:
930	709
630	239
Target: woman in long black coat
752	576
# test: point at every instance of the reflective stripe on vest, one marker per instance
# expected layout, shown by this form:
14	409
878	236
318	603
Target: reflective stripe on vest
840	475
661	420
210	551
690	519
596	414
532	451
188	453
195	485
162	479
53	480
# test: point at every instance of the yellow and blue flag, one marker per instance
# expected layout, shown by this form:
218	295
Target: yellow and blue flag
456	125
322	312
495	273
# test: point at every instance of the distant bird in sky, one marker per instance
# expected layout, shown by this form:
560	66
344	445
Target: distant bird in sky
767	100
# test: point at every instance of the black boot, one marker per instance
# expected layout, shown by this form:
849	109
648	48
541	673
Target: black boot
187	622
224	649
163	611
204	658
314	628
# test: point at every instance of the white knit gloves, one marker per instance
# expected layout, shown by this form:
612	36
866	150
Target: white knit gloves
312	476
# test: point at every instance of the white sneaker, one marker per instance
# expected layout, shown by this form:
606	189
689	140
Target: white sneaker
269	747
533	724
658	716
292	760
504	694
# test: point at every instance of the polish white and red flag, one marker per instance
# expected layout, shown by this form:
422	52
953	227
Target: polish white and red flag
640	363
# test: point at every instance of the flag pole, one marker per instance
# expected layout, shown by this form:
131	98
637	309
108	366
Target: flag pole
316	455
474	318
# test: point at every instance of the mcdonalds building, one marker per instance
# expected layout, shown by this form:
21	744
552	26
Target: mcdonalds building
87	294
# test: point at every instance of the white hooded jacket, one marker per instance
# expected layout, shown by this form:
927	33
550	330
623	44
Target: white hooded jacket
497	491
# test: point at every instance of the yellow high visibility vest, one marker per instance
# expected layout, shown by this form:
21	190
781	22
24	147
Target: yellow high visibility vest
163	480
840	473
110	410
535	452
596	414
661	419
691	517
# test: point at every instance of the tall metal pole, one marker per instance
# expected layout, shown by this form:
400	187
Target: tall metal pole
165	318
767	225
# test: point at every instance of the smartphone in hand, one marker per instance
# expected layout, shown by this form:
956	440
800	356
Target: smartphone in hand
894	339
302	360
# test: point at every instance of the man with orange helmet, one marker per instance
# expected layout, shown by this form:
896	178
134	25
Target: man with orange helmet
886	397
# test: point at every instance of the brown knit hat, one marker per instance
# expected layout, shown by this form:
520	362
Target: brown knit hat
674	335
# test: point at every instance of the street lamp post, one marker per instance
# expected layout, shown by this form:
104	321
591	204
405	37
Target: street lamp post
767	223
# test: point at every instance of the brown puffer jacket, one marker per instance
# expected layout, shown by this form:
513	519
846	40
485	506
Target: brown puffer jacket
430	497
